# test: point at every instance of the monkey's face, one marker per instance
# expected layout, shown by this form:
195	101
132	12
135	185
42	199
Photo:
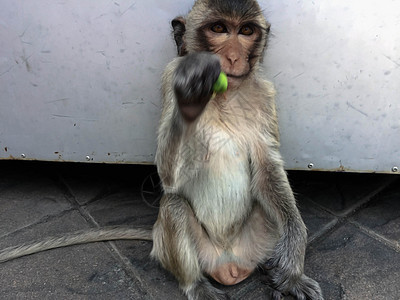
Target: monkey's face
235	30
237	44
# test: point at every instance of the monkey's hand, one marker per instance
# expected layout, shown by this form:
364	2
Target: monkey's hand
285	276
285	273
193	82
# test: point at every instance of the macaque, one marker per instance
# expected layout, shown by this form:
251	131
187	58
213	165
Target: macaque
227	207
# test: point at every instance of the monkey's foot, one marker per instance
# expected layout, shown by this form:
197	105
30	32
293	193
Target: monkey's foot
304	289
203	290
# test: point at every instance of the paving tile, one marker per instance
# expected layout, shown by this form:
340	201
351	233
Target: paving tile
91	182
77	272
53	226
31	200
160	283
382	215
86	189
317	220
348	263
125	207
339	193
351	265
252	288
85	272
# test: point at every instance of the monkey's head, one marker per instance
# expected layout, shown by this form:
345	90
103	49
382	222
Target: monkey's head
235	30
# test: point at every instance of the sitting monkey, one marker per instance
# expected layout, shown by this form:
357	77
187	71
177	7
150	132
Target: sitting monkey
227	206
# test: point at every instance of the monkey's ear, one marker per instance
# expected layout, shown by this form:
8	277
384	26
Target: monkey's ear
179	27
268	29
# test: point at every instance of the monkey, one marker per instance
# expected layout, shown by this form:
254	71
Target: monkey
227	208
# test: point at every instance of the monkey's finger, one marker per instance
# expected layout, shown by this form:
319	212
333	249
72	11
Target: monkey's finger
276	295
270	264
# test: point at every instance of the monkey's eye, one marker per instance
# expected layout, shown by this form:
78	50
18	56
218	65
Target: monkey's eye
246	30
219	28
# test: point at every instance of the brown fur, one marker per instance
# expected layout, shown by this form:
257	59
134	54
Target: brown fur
228	206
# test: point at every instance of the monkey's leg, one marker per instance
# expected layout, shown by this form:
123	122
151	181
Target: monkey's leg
174	247
272	189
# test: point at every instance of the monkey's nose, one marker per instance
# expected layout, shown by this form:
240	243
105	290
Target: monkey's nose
232	59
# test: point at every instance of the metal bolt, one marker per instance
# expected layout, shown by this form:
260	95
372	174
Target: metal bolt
88	158
310	165
395	169
23	155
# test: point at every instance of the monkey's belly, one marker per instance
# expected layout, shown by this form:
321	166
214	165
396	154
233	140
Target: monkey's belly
217	183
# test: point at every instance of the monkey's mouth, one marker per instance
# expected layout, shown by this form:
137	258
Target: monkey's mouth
237	76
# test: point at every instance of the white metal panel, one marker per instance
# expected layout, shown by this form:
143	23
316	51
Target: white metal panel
336	66
80	80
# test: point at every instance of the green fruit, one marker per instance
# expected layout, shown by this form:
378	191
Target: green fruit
221	85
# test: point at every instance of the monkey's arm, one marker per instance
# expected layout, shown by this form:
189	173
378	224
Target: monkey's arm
271	188
170	129
269	109
78	237
186	89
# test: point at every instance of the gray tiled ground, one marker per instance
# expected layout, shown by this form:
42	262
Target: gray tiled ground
353	222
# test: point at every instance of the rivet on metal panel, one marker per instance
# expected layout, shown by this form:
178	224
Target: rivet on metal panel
88	158
395	169
310	165
23	155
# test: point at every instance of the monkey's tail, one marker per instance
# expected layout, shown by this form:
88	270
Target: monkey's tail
75	238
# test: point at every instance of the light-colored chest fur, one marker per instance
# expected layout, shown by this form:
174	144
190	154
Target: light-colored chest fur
214	174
